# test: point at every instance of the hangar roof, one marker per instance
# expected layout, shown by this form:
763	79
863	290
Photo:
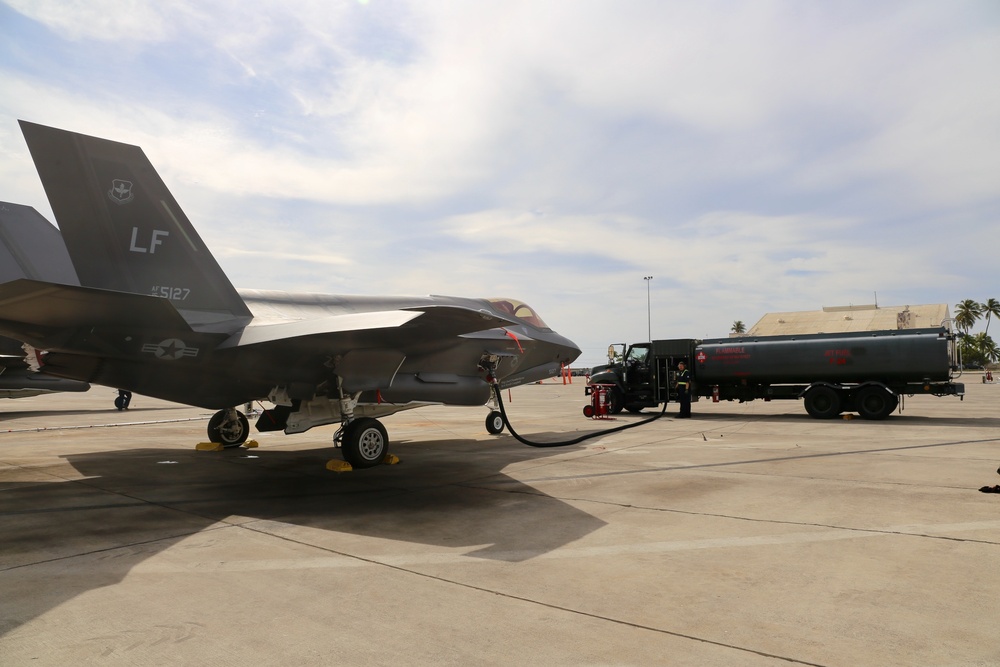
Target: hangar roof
837	319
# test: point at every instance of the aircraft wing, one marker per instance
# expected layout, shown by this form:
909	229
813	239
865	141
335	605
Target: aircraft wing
332	325
366	349
20	383
17	380
456	320
412	325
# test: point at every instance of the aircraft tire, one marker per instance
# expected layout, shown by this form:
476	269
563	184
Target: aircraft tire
228	435
494	422
365	443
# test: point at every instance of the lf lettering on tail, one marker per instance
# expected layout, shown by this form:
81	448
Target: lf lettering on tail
153	242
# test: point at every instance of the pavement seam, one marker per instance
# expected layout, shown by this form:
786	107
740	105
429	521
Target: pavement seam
519	598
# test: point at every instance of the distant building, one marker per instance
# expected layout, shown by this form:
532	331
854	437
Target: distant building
839	319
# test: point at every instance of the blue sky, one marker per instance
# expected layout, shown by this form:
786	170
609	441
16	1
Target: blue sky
751	156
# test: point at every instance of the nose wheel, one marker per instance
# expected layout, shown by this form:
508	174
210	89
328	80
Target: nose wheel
494	422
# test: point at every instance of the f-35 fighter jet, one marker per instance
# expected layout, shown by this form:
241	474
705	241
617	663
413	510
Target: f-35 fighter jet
155	314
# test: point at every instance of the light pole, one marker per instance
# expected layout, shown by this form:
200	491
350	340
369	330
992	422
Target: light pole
649	319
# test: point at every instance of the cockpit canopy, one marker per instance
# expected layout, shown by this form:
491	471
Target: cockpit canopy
519	310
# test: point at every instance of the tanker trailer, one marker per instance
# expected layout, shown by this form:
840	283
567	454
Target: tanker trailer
864	371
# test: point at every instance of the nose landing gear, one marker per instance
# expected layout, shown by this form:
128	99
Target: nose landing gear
494	422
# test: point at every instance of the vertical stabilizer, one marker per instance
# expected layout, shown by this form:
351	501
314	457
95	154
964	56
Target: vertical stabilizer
124	230
31	247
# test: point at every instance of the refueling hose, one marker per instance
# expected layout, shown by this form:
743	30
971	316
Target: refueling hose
586	436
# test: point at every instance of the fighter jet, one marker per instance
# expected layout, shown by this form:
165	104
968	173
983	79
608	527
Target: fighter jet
155	314
30	247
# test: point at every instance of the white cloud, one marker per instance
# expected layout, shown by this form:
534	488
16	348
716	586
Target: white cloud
107	20
751	156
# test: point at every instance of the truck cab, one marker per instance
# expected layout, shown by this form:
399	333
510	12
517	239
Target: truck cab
643	373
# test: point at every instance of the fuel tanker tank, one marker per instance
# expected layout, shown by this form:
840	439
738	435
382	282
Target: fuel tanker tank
894	356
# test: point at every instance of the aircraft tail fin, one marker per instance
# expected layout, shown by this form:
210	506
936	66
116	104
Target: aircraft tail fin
124	230
31	247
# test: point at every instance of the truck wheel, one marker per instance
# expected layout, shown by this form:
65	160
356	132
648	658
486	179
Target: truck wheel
875	402
822	402
616	401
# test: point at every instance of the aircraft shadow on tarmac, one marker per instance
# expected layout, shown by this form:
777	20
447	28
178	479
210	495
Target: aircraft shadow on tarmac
134	504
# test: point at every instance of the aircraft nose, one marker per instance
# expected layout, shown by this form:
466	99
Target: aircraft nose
566	350
543	356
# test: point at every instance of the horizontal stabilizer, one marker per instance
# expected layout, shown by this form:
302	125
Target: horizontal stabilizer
31	304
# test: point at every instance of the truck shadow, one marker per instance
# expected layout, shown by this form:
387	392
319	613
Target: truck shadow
900	419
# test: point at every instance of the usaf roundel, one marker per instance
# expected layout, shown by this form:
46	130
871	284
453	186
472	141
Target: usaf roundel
170	349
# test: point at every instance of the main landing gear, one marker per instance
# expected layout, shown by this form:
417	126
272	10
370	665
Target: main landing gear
229	428
363	442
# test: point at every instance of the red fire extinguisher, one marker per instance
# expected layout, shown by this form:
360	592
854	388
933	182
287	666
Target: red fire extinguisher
600	401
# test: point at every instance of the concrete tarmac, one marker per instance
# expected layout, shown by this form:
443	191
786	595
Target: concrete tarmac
750	535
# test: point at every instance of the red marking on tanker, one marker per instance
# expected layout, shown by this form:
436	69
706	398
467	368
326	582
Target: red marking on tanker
837	357
701	356
730	355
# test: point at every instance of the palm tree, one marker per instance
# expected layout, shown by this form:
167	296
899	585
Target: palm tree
978	350
740	328
991	307
967	313
986	347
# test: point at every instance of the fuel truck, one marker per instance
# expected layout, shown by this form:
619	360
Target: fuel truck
865	372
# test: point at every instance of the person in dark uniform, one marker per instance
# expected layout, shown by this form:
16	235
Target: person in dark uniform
684	391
